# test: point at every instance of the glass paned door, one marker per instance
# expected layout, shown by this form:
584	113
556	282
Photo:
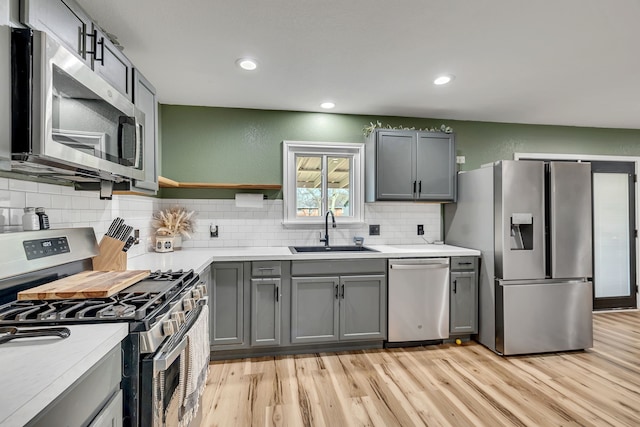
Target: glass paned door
613	235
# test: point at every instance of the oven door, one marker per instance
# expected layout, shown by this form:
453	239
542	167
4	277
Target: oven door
165	391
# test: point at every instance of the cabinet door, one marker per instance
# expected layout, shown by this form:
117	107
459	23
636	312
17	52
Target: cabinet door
464	303
110	63
227	304
265	312
395	165
314	309
144	97
66	23
363	307
436	166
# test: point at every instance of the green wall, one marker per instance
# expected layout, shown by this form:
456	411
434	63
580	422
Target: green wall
226	145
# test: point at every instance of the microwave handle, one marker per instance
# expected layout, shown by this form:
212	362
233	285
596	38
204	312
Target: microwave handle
139	142
131	120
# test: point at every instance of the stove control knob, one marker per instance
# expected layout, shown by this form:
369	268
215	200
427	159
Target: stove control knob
202	289
178	317
187	304
196	294
169	327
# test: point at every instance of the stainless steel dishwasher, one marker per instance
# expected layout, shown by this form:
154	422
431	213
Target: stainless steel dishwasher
418	299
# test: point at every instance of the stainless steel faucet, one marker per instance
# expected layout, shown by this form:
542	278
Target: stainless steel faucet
326	227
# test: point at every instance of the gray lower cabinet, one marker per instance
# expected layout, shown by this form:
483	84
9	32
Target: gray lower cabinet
265	311
227	304
94	400
463	316
363	307
315	309
338	308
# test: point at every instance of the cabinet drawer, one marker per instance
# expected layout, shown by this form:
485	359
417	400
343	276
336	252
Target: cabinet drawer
266	268
336	267
463	263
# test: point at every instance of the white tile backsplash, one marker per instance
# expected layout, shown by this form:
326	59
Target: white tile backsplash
237	226
263	226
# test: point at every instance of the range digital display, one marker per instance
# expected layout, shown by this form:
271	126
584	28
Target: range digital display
41	248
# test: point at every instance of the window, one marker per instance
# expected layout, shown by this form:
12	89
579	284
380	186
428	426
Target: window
321	176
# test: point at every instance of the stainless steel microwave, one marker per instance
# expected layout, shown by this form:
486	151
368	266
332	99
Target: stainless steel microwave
67	121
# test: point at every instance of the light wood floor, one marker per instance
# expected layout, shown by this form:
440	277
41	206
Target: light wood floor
446	385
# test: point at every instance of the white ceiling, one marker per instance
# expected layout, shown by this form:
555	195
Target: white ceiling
560	62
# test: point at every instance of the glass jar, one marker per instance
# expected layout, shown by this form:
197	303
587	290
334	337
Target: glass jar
30	220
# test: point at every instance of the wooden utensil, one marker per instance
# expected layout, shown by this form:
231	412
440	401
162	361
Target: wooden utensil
88	284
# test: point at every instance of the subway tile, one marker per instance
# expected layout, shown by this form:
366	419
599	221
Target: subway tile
4	183
38	200
19	185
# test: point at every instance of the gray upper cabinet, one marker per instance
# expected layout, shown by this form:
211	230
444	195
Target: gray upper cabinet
314	309
410	165
62	19
70	25
363	307
110	63
436	166
144	97
227	304
463	316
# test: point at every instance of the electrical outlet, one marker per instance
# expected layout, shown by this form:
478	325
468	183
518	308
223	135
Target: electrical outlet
213	231
420	229
460	160
374	229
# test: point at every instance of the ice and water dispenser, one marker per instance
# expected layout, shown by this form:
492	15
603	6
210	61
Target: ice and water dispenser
522	231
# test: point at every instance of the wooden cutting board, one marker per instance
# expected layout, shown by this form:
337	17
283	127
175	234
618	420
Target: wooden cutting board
88	284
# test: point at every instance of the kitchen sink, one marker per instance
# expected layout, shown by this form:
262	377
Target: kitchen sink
320	249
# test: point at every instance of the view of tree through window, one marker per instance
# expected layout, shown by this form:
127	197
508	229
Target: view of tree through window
319	177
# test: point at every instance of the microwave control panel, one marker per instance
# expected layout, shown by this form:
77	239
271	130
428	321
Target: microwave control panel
41	248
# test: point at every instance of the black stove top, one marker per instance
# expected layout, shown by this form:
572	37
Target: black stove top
143	301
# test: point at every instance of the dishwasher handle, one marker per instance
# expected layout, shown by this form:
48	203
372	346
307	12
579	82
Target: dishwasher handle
418	266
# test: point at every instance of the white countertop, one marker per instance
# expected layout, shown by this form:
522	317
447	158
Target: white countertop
199	258
35	371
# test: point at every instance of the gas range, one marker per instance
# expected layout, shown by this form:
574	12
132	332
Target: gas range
155	307
166	313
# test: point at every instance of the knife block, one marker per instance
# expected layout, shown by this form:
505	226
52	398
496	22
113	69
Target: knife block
111	257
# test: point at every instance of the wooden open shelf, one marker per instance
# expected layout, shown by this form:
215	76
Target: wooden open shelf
169	183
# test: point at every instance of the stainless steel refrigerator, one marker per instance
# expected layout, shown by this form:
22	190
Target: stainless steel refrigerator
532	223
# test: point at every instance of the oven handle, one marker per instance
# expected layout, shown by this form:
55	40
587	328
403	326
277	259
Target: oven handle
162	361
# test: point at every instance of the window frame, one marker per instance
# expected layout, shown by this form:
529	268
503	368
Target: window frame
290	149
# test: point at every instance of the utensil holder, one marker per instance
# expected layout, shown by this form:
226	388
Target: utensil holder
111	257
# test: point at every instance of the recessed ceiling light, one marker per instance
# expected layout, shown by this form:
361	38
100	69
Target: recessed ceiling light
247	64
443	80
327	105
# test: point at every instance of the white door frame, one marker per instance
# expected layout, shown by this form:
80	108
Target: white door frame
594	157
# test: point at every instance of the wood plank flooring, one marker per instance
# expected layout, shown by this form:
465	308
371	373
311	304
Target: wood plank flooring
446	385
